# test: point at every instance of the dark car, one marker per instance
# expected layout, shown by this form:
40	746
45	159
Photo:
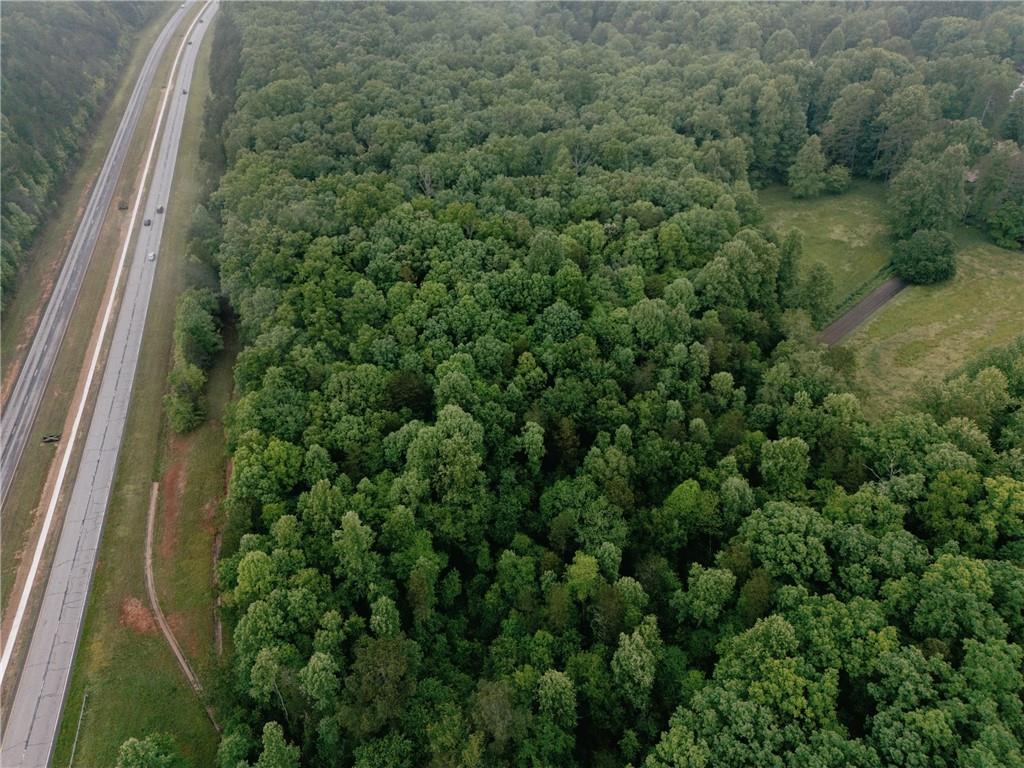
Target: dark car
147	222
160	209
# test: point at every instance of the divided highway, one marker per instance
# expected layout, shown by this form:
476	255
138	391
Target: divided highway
20	411
33	717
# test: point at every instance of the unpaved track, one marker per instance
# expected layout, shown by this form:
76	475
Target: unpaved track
161	620
861	311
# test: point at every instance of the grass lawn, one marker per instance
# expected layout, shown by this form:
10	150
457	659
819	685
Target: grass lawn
926	332
847	233
134	684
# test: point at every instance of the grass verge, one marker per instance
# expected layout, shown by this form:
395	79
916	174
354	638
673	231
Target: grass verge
927	332
847	233
134	684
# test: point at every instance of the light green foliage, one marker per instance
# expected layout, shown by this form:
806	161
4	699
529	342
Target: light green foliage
556	698
635	661
784	465
790	541
155	751
708	592
807	175
276	753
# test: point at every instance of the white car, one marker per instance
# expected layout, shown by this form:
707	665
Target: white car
151	256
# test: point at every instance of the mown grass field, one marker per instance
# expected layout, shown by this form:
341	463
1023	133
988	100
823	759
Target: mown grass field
927	332
134	684
847	233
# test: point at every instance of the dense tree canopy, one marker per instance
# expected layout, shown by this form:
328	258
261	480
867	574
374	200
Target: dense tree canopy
60	64
535	462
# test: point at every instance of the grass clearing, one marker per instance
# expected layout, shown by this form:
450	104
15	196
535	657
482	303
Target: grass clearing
847	233
135	686
927	332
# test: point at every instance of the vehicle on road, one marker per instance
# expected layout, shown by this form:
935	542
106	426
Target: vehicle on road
147	222
122	205
51	438
184	90
160	209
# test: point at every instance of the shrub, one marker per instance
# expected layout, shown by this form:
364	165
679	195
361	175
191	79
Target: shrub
928	256
837	179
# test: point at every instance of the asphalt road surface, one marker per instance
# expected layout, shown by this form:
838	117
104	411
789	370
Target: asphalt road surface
33	719
23	405
861	311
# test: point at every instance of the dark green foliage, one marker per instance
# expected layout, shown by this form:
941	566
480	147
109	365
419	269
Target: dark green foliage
928	256
928	194
60	64
998	197
534	463
196	342
197	327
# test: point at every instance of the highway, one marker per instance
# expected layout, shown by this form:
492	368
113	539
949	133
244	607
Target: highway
22	406
33	718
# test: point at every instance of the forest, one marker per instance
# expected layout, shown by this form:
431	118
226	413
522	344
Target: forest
60	64
536	460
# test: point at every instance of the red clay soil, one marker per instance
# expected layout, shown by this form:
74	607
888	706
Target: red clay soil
173	485
137	617
861	311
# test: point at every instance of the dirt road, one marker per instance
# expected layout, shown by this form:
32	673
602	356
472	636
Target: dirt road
861	311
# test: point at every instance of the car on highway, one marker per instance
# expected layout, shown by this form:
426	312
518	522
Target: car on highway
147	222
184	90
151	256
160	209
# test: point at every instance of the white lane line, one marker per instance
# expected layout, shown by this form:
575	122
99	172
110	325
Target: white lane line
26	591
